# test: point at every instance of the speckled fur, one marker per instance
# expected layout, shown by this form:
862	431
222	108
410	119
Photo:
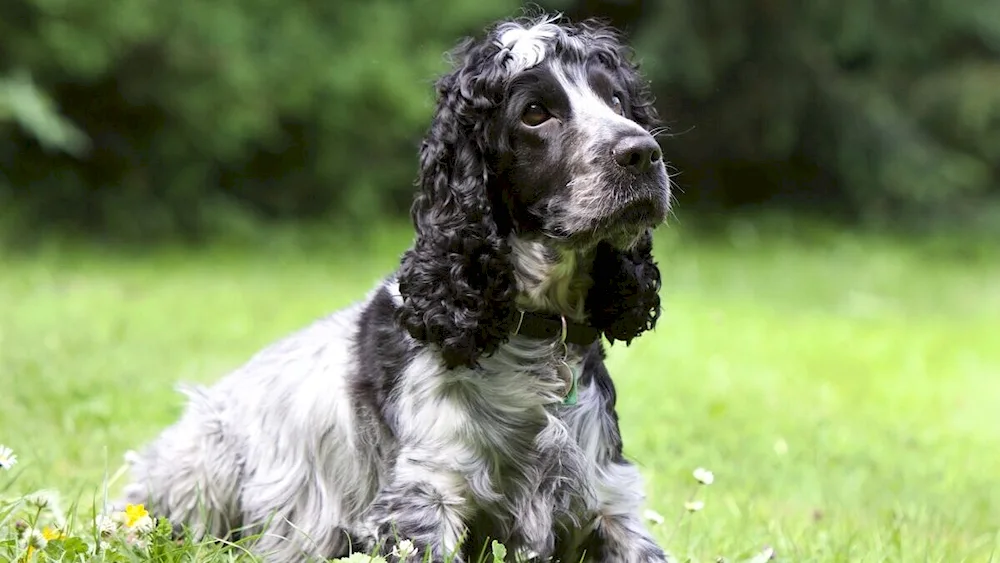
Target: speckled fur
416	413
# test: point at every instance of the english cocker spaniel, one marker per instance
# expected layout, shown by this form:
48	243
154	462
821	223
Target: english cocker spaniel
465	398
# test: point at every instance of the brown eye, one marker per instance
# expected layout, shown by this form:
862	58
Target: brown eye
535	114
616	104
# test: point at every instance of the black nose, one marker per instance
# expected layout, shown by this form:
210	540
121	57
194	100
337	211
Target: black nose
638	153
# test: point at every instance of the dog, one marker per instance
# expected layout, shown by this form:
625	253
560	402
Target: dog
465	398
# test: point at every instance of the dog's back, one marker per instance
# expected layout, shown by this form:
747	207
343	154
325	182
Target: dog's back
273	442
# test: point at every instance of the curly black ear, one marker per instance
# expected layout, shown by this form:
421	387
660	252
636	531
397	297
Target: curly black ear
457	281
624	301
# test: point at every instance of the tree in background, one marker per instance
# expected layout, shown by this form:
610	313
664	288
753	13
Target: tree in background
190	109
886	110
147	118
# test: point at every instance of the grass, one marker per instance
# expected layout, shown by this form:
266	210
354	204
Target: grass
844	388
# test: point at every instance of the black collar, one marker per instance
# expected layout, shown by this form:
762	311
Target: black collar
544	326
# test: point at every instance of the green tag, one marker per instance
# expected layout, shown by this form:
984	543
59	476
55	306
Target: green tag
570	398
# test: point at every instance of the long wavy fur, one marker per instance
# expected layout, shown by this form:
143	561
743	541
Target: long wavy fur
344	436
624	301
457	281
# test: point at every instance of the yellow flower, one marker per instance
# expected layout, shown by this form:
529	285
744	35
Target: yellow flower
52	534
136	519
134	513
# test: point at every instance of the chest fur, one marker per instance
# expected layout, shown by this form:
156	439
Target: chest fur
524	459
537	462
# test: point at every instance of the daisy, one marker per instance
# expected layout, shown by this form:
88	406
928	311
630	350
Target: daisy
781	446
694	505
106	525
40	499
763	556
34	540
704	476
404	549
7	457
653	516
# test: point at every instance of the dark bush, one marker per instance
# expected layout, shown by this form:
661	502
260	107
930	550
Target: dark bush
140	118
194	110
883	110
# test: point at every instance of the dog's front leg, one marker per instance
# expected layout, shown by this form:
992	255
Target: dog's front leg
424	508
619	534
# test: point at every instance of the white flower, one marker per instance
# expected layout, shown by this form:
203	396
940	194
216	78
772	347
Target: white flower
653	516
704	476
34	539
7	457
694	505
136	542
404	549
118	517
143	525
781	446
763	556
106	525
39	499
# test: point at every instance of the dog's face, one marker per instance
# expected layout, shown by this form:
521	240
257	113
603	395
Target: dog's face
540	130
578	167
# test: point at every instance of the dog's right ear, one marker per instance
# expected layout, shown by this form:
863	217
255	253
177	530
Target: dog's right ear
457	281
624	301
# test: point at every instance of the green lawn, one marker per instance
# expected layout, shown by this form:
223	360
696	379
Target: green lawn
845	389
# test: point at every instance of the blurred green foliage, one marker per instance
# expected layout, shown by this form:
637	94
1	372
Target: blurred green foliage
145	118
883	109
194	109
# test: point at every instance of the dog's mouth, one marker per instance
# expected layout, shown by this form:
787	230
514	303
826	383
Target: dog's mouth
639	214
620	225
626	224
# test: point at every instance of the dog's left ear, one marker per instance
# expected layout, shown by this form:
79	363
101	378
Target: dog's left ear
624	301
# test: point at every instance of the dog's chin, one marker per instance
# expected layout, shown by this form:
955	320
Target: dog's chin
626	239
621	237
627	224
623	228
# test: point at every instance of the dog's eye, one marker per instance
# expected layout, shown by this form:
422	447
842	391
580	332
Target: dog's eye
616	104
535	114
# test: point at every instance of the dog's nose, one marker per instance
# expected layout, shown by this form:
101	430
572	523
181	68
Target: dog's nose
638	153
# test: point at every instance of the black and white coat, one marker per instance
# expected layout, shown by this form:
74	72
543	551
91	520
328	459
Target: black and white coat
434	410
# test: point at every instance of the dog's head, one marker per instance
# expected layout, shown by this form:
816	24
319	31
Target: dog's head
575	160
542	132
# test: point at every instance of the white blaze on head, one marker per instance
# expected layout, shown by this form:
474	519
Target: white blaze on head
527	45
592	111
